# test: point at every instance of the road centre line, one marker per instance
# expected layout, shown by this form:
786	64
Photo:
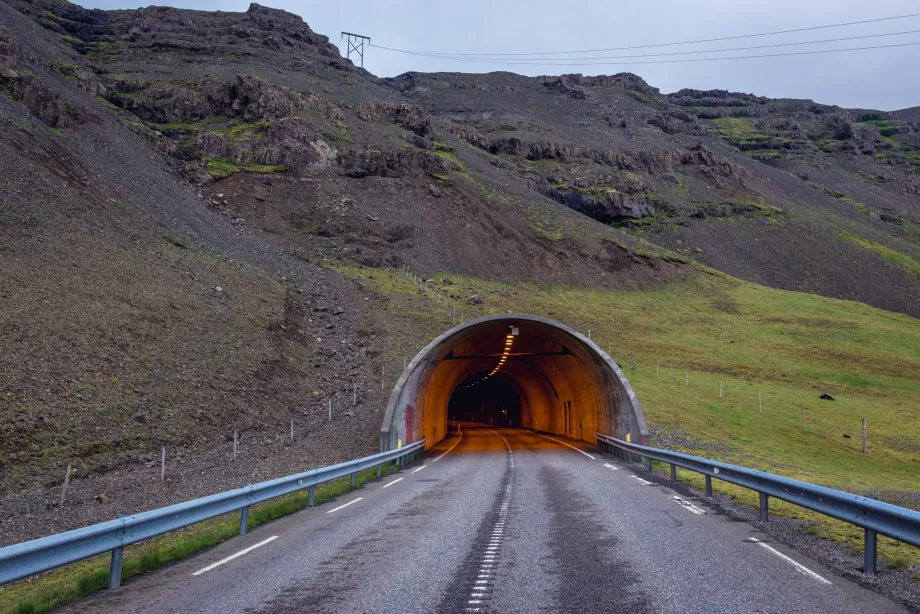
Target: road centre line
798	566
459	430
419	469
233	556
388	484
335	509
565	444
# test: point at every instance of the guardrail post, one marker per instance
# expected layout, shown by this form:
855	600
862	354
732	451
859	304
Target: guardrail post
673	472
118	555
379	469
764	510
869	551
648	463
354	479
629	457
708	485
311	495
244	520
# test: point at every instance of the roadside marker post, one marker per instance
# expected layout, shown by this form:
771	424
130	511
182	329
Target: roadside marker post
66	484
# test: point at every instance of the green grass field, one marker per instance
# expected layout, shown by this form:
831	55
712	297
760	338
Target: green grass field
787	346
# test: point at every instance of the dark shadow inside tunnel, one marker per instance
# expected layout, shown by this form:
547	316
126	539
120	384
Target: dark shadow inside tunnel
512	370
491	401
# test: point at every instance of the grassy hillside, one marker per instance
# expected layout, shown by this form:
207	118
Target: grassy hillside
789	347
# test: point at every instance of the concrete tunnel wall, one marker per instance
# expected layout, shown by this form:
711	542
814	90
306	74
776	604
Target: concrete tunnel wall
554	365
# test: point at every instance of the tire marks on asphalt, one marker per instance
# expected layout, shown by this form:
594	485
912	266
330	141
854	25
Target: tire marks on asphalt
579	535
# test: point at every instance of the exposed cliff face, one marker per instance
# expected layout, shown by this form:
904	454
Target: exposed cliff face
228	93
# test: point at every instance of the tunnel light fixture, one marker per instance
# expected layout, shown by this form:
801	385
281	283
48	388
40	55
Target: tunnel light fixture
509	341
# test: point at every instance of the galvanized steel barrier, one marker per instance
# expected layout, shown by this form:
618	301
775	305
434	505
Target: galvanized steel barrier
28	558
874	516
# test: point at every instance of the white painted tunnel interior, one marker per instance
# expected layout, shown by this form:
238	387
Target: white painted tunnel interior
554	380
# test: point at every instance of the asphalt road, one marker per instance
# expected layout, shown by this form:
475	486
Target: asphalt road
507	521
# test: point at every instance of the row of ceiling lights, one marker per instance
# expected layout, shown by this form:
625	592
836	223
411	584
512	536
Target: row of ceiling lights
509	340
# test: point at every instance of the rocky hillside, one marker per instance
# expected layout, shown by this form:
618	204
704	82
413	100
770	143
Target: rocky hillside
179	188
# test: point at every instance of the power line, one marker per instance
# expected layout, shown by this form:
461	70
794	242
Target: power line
705	40
685	60
650	55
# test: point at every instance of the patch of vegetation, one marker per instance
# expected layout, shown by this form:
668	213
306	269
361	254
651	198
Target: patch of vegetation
16	121
460	168
765	155
240	132
650	100
221	169
541	224
441	145
885	127
787	346
741	132
841	196
596	192
826	145
72	582
902	260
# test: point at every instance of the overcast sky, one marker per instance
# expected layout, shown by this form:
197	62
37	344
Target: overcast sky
880	79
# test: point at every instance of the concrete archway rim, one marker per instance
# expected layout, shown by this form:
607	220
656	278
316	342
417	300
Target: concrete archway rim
463	326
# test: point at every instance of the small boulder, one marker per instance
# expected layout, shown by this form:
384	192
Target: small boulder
434	191
826	396
846	435
474	300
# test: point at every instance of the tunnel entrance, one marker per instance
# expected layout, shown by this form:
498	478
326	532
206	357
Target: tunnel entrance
491	401
512	370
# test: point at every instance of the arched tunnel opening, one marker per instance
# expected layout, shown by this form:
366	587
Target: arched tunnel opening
487	401
512	370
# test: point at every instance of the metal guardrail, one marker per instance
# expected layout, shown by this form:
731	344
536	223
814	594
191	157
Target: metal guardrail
874	516
28	558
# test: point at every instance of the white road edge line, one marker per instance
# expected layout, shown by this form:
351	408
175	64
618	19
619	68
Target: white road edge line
419	469
565	444
611	467
689	506
459	430
798	566
640	480
335	509
393	482
233	556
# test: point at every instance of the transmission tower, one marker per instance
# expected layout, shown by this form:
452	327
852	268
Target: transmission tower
356	43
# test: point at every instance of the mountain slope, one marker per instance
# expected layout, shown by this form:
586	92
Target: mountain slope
180	190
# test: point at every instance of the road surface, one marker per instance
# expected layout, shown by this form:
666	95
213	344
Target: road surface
506	521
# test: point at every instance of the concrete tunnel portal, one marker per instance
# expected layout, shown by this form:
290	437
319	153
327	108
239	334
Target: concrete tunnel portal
512	370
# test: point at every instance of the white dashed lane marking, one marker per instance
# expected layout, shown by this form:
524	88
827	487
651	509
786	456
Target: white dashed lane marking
611	467
393	482
233	556
688	506
798	566
640	480
420	468
335	509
